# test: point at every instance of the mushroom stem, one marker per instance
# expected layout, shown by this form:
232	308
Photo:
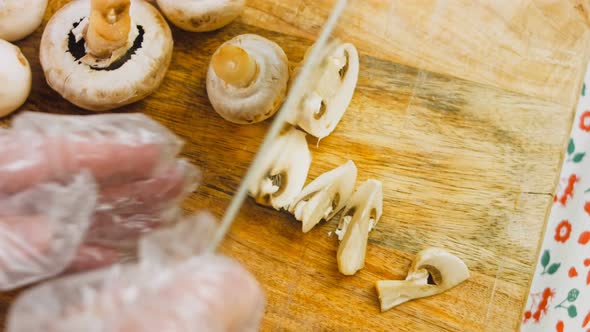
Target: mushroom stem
108	27
234	65
395	292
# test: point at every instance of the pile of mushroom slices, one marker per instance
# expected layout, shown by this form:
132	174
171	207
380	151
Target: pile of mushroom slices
18	19
247	81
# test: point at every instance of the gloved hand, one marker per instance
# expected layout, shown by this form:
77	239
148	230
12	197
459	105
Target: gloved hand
76	190
170	289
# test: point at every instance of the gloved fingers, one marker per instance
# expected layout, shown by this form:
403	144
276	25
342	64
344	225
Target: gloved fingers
41	229
124	230
159	192
93	257
115	148
205	293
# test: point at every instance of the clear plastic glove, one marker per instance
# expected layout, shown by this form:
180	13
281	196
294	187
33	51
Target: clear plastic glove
169	290
117	176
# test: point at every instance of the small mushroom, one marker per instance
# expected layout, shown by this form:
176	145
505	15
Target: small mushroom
247	79
325	196
433	271
285	171
103	54
16	74
328	98
20	18
360	216
201	15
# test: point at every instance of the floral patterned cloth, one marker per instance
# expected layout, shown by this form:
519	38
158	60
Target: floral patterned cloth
559	298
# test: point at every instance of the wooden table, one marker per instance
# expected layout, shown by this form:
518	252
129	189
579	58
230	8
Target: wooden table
462	109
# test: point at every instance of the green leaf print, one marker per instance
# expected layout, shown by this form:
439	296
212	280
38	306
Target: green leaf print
545	258
553	268
573	295
579	156
583	89
571	147
572	311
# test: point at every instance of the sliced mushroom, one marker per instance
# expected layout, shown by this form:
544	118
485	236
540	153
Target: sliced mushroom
16	74
328	98
285	171
360	216
433	271
20	18
247	79
103	54
325	196
201	15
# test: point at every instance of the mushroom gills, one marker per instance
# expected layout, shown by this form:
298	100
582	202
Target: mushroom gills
361	214
433	271
324	104
325	196
78	49
285	170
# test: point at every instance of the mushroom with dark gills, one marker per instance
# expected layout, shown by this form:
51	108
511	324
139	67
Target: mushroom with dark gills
327	99
361	214
103	54
433	271
284	172
247	79
201	15
325	196
15	74
20	18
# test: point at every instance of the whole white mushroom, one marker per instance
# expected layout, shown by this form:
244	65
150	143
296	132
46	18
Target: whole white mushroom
247	79
15	78
104	54
201	15
19	18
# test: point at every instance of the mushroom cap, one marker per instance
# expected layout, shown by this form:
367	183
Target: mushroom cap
289	157
323	106
14	68
446	269
201	15
101	90
262	98
19	18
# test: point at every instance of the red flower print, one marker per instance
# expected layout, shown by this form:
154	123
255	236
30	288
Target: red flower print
586	320
569	190
559	326
587	207
563	231
587	262
542	307
584	238
585	121
572	272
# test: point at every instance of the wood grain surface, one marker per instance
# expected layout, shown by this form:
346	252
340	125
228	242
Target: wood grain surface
462	110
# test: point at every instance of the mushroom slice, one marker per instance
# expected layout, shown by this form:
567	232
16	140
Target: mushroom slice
14	68
201	15
360	216
433	271
285	171
20	18
103	54
247	79
325	196
326	102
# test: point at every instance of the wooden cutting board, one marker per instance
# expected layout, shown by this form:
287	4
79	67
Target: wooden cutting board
462	110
